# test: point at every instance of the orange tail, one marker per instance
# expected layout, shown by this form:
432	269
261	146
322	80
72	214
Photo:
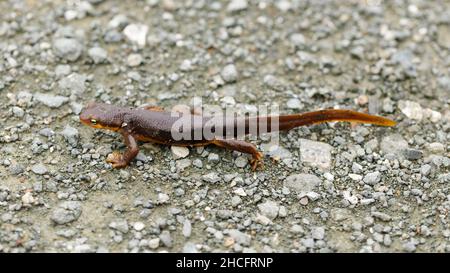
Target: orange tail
266	124
291	121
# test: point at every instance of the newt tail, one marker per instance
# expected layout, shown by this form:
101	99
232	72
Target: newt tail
158	126
288	122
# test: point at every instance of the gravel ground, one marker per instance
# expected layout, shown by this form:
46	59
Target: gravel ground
328	188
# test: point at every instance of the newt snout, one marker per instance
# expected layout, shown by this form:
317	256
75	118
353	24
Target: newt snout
102	116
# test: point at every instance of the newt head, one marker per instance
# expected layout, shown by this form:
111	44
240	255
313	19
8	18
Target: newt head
102	116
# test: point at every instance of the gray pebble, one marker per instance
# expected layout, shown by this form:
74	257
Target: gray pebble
302	182
153	243
425	169
62	70
163	198
183	163
240	237
393	144
213	158
297	39
120	225
412	154
318	233
235	200
269	209
71	135
190	247
339	214
76	107
276	151
297	229
66	212
98	54
444	82
237	5
16	169
356	168
273	82
179	152
138	226
211	177
18	112
134	60
186	65
67	233
166	238
409	246
74	84
294	104
47	132
118	21
411	109
50	100
357	52
39	168
136	33
197	163
240	161
187	228
113	36
229	73
316	154
67	48
372	178
382	216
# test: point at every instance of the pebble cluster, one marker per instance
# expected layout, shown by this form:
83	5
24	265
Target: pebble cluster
326	188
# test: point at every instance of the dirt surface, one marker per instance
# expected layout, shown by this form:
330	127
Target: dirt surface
326	188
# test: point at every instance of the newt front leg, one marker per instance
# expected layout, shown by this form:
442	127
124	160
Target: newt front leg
121	160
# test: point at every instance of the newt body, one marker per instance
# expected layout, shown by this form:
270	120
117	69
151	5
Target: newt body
157	126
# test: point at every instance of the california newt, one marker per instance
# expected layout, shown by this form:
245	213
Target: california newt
155	125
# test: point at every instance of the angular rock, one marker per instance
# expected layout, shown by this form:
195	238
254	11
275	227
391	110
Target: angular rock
237	5
134	60
166	238
67	48
98	54
240	237
66	212
179	152
372	178
136	33
50	100
71	135
229	73
411	109
393	144
211	177
412	154
316	154
39	168
269	209
120	225
187	228
302	182
74	83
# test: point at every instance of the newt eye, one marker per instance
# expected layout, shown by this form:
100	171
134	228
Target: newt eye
94	121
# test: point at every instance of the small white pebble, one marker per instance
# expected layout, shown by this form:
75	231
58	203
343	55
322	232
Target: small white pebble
27	198
179	152
240	192
138	226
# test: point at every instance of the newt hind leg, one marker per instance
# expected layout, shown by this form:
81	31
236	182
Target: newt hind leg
243	147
